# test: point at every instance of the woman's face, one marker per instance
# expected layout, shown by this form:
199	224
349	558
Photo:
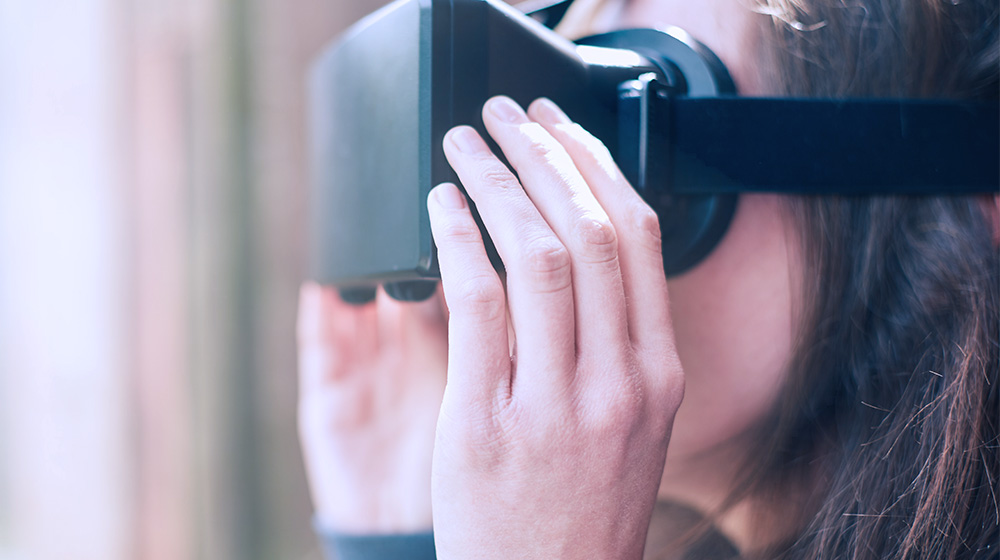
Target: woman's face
733	314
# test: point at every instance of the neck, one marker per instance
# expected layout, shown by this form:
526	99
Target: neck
704	483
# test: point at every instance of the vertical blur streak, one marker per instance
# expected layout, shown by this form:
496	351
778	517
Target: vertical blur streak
64	483
243	456
152	200
158	47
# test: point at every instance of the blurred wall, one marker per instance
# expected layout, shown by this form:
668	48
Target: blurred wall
152	182
64	444
220	175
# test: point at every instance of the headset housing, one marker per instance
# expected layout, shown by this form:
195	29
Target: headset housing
385	93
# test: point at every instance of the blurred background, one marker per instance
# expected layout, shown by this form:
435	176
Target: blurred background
152	204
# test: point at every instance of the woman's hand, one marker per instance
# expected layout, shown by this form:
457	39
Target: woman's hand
557	450
370	386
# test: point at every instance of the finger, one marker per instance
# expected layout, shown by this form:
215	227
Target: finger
426	316
404	326
478	362
354	327
638	228
539	274
564	199
332	334
390	322
424	330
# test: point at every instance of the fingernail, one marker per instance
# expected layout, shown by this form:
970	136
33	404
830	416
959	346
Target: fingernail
448	196
506	110
549	112
466	139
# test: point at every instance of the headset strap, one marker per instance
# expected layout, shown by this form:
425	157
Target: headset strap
814	146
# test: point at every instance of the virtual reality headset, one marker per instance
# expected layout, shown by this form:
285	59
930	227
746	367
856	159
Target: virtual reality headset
385	93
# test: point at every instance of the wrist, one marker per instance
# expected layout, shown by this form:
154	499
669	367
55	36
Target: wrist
376	509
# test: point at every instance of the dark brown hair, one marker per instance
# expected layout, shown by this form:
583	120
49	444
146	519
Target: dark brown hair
889	419
884	441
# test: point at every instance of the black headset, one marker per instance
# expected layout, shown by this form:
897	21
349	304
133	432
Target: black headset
663	103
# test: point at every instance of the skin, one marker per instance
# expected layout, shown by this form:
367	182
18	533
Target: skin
735	314
370	386
586	356
593	381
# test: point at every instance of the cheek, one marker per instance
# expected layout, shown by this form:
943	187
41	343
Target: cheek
734	321
727	27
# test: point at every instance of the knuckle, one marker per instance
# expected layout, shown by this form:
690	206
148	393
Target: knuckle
620	411
594	147
647	226
617	401
599	154
462	231
540	151
667	392
673	394
593	150
542	147
547	262
632	393
482	296
663	383
498	176
597	238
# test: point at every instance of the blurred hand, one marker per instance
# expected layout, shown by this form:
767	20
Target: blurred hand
557	450
370	386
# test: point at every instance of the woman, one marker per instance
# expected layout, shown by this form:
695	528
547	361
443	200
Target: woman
823	385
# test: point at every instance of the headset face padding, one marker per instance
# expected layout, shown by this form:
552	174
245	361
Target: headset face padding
691	225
